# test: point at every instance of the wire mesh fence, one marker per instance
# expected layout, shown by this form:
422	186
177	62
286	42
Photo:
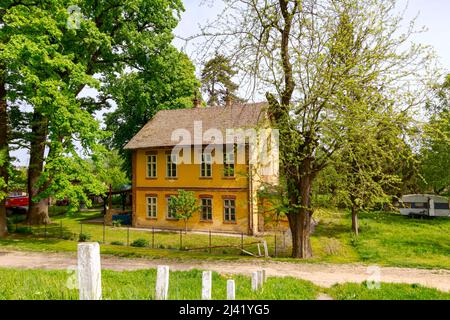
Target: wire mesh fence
278	243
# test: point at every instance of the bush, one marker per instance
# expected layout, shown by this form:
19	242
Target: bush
117	243
18	218
23	230
83	237
139	243
116	223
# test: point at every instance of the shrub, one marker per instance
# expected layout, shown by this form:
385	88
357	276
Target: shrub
139	243
83	237
23	230
18	218
116	223
117	243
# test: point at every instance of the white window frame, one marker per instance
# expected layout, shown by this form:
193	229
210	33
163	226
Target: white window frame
173	166
227	209
168	210
152	208
210	206
205	164
152	164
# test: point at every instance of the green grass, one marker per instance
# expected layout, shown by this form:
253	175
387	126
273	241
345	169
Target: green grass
138	285
186	285
386	239
386	291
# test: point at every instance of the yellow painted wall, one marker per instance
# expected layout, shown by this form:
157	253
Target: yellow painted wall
195	222
188	178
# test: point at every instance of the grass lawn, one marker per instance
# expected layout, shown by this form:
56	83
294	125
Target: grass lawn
137	285
186	285
386	239
387	291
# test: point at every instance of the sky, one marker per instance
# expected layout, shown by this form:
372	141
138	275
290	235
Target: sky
433	14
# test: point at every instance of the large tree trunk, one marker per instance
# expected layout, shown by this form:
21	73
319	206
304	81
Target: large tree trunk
38	210
3	148
355	226
300	222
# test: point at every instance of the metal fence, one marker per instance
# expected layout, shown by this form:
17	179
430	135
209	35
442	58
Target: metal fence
276	244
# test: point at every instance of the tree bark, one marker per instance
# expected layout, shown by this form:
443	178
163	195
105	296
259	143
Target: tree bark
355	226
38	210
4	148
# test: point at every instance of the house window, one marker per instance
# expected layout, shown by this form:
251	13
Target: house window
206	166
228	164
171	165
151	166
206	209
229	210
171	214
151	207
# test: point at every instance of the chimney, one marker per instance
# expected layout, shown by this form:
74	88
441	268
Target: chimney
197	101
228	99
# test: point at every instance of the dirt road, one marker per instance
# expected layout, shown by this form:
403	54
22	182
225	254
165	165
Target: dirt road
321	274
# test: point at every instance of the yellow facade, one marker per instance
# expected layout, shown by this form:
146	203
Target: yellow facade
188	177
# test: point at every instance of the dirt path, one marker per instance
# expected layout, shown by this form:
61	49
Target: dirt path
321	274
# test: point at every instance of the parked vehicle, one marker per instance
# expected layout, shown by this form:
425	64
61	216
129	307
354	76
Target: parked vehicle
17	203
424	205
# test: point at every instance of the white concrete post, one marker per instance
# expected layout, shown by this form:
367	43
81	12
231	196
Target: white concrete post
260	276
89	271
255	280
162	283
231	290
264	277
266	251
259	250
206	285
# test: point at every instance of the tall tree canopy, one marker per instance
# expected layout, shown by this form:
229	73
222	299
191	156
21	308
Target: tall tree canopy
48	64
435	152
326	66
217	80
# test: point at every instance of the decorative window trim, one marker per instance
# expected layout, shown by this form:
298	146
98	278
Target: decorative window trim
155	164
229	207
147	212
202	217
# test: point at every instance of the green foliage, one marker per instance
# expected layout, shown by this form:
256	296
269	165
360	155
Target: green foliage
435	151
139	243
117	243
116	223
165	81
185	204
83	237
23	230
217	81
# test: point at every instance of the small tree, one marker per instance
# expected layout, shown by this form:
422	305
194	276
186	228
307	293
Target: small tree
184	205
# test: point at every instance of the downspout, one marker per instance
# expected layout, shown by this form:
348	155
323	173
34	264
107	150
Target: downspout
250	199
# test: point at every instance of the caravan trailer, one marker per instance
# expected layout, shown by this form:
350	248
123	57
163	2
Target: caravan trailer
424	205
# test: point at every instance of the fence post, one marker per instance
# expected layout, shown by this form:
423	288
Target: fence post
260	275
181	239
210	241
104	232
153	237
206	285
128	235
259	249
266	251
231	292
276	244
162	283
255	280
89	271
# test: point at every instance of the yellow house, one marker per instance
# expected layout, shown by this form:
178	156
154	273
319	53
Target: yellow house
214	152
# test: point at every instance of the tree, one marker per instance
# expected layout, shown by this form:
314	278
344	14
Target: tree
166	82
323	64
109	170
216	80
184	205
435	151
111	38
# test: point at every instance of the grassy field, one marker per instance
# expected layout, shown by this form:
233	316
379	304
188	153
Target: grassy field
385	239
186	285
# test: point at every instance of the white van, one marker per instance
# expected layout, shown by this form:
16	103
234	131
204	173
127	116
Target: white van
424	205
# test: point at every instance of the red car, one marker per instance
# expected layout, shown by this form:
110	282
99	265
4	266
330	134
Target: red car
17	203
